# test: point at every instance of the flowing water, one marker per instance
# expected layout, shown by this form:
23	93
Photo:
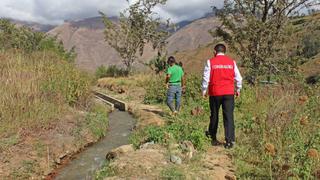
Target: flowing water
87	162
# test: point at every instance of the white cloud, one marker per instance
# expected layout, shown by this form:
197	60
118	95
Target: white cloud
56	11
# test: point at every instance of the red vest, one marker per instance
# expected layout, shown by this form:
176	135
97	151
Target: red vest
221	76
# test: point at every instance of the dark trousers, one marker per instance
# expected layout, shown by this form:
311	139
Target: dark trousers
227	103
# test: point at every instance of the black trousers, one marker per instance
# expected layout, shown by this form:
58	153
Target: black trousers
227	103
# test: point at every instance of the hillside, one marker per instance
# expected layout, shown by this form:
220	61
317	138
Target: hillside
193	35
88	39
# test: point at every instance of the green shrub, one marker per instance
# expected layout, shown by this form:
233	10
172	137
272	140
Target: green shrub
155	134
193	88
158	64
97	120
106	171
66	81
155	90
111	71
311	44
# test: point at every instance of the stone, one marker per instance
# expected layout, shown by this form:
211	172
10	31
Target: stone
62	156
121	91
115	153
230	177
175	159
188	148
48	172
58	161
146	145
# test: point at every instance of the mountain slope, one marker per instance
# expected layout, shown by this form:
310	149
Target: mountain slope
87	36
91	48
193	35
88	39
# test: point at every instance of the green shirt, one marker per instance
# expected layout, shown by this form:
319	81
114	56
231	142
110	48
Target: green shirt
176	73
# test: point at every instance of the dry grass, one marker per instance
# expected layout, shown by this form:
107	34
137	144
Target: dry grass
36	89
277	126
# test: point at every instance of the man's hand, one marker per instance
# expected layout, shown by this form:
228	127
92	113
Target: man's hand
204	95
237	94
183	89
167	86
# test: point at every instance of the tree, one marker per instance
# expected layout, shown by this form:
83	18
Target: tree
137	27
256	31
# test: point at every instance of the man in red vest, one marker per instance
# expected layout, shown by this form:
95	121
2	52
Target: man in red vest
219	78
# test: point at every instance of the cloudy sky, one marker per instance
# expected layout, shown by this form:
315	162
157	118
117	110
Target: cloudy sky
56	11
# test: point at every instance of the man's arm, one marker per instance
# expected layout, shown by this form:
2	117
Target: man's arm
167	80
206	78
183	81
237	78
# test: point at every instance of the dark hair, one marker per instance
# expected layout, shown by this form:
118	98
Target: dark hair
180	64
220	48
171	60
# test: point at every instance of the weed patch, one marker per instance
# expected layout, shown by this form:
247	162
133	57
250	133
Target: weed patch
172	173
106	171
97	120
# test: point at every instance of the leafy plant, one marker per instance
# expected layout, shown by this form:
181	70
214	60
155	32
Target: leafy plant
106	171
256	30
158	64
97	120
111	71
137	27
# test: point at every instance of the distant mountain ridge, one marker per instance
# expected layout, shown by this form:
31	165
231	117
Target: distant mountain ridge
33	25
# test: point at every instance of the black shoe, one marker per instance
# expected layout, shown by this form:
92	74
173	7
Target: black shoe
215	142
228	145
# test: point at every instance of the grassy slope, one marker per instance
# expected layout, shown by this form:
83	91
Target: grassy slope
37	88
312	67
43	106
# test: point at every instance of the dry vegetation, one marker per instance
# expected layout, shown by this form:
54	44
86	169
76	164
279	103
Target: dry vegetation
37	88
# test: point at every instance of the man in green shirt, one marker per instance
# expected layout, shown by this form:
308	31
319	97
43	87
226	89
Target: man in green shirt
175	84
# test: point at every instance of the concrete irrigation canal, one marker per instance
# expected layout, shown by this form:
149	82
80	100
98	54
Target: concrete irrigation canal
87	162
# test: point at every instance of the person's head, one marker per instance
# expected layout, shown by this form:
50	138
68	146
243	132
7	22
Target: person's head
180	64
220	48
171	61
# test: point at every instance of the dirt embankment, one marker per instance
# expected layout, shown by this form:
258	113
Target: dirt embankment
34	154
